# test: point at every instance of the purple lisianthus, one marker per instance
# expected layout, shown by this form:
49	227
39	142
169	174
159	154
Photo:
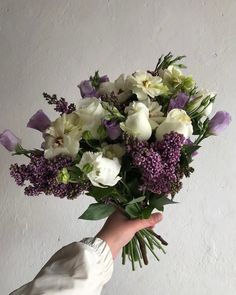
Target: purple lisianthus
88	90
113	129
9	140
178	102
219	122
39	121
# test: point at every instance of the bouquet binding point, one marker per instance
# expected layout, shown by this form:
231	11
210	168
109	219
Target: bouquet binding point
128	144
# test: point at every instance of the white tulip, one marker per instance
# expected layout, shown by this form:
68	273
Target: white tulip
91	114
103	172
178	121
137	123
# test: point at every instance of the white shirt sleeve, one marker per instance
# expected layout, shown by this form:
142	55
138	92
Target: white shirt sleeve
78	268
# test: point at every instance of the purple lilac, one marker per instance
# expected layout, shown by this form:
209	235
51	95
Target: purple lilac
42	174
178	102
158	163
219	122
9	140
113	129
39	121
88	90
61	105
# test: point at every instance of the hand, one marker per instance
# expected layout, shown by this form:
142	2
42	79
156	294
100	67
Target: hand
118	230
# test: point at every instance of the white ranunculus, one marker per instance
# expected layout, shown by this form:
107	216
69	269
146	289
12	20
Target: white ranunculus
118	87
144	84
63	136
178	121
156	116
91	114
137	122
104	171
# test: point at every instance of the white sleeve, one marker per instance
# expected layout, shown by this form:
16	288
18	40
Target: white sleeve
78	268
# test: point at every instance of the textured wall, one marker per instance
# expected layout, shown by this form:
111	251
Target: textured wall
50	45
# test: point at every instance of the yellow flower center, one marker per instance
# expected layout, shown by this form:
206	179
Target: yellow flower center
58	142
146	83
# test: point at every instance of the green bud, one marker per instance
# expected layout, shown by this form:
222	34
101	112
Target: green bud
63	176
87	135
87	168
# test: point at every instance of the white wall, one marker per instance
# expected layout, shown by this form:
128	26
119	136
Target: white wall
51	45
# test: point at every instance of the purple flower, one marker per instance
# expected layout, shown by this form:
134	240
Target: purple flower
39	121
9	140
178	102
88	90
219	122
113	129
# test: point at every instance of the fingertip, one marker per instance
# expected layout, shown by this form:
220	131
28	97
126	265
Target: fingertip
157	217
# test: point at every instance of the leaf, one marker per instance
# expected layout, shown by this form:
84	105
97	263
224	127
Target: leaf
159	203
99	193
190	148
98	211
132	210
146	213
137	200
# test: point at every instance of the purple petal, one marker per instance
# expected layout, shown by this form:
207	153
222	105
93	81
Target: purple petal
104	79
39	121
113	129
219	122
9	140
178	102
87	90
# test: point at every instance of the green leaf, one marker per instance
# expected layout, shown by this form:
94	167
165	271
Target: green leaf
137	200
133	210
99	193
97	211
190	148
159	203
146	213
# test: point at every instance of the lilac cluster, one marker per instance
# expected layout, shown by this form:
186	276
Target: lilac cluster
42	174
158	163
61	105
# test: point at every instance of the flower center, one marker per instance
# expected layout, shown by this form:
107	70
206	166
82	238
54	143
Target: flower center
58	142
146	83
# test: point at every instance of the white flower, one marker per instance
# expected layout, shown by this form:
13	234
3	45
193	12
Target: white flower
118	87
206	95
91	114
102	171
63	136
178	121
144	84
137	123
176	80
155	113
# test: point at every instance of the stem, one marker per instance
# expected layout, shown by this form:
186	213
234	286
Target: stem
142	248
132	254
148	247
158	237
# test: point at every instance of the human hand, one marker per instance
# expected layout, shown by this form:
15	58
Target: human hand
118	230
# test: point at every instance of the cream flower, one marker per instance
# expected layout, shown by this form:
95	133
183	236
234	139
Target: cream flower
113	150
176	80
91	113
118	87
137	123
206	95
155	113
102	171
144	84
178	121
63	136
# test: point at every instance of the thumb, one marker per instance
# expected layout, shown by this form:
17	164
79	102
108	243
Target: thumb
150	222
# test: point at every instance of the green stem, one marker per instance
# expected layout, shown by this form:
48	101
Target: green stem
141	236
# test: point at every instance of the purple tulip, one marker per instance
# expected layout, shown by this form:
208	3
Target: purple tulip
88	90
178	102
39	121
113	129
219	122
9	140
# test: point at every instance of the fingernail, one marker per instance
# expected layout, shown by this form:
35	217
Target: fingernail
157	217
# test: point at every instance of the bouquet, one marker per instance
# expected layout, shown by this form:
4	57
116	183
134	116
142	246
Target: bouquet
128	144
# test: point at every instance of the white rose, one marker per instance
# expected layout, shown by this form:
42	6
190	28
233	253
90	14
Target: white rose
178	121
91	114
104	171
137	123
